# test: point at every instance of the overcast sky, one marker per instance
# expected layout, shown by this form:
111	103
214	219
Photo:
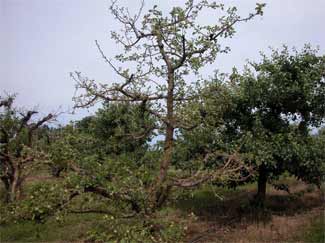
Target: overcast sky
43	40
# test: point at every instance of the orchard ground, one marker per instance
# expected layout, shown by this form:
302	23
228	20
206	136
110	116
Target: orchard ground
209	213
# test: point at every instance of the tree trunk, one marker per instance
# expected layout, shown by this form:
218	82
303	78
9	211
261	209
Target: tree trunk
12	184
14	188
6	183
160	189
303	125
15	183
167	155
261	186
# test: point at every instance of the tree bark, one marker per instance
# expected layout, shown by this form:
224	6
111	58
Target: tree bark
167	155
261	185
15	186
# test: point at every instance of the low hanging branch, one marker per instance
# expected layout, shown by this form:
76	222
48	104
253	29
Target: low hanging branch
118	196
231	170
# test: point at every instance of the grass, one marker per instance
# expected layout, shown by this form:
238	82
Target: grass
206	198
315	233
74	228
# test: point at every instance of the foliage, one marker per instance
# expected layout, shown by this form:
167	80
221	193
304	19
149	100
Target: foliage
312	166
136	230
119	127
287	87
276	105
208	136
43	201
116	130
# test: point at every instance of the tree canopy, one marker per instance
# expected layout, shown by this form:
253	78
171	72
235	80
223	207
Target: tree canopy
268	115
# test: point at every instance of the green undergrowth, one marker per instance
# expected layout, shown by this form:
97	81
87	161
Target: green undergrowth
74	227
207	202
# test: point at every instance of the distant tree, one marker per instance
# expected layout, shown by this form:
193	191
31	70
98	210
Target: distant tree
163	50
20	152
311	168
120	127
114	130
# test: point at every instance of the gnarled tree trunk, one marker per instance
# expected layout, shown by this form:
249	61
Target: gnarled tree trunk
162	190
13	186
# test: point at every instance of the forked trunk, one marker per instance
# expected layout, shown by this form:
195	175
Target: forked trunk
13	186
12	191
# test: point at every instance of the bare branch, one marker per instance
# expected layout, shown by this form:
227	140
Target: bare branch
41	122
183	56
25	119
108	61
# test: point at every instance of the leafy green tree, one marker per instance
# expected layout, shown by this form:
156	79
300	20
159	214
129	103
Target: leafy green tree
120	128
113	131
213	141
162	51
276	105
265	115
196	143
103	155
20	152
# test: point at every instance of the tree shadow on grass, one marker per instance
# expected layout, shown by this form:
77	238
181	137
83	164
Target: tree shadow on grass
239	208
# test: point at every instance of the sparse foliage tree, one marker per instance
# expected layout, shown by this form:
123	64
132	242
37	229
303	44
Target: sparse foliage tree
162	52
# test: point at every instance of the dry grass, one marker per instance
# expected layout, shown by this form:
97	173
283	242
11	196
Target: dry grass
279	229
284	220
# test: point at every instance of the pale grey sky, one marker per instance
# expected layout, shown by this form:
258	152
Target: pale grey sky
43	40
